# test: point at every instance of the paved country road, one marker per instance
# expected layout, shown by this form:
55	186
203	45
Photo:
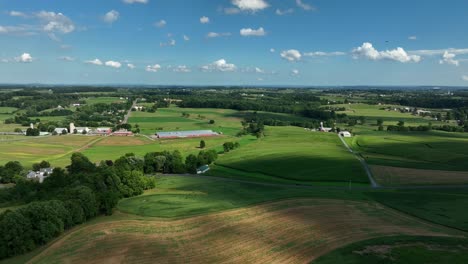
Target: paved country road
363	162
129	112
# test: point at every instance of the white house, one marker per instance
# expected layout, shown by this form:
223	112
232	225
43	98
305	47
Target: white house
79	130
138	108
345	134
39	175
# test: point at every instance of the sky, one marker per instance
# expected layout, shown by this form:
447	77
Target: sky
234	42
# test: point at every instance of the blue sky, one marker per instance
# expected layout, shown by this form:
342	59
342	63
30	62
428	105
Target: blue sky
234	42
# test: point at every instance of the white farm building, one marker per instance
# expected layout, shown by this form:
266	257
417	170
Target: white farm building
345	134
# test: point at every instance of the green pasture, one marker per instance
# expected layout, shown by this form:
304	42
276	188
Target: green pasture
104	100
446	207
421	150
291	153
184	196
170	119
7	110
400	249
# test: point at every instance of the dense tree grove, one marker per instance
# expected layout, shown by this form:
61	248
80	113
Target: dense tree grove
65	198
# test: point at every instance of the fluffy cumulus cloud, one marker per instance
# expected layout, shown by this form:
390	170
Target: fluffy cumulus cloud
113	64
465	78
153	68
368	51
324	54
131	66
95	62
182	69
135	1
449	58
304	6
291	55
220	65
216	35
161	23
250	5
204	20
24	58
111	16
55	22
249	32
295	72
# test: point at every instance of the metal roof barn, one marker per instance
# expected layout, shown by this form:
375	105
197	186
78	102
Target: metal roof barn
187	134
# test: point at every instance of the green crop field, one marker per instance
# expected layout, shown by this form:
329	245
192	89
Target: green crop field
7	110
428	150
291	153
400	249
170	119
104	100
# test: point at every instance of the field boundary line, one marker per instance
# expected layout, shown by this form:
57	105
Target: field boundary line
363	163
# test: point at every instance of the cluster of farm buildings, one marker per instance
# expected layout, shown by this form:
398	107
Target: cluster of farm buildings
72	129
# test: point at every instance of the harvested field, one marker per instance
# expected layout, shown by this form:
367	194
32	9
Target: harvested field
293	231
394	176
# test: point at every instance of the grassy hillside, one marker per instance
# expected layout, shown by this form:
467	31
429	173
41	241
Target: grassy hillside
296	154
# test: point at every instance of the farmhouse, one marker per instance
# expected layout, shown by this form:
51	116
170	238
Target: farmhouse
203	169
123	133
345	134
102	131
39	175
186	134
138	108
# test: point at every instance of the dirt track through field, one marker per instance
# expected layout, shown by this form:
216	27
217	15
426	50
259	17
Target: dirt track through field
292	231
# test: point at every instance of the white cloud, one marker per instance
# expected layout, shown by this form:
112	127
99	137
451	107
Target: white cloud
182	69
465	78
113	64
413	38
171	42
111	16
204	20
258	70
368	51
291	55
449	58
231	10
186	38
15	30
135	1
131	66
248	32
295	72
67	58
215	35
304	5
280	12
24	58
324	54
17	14
153	68
250	5
439	52
161	23
219	65
95	62
272	50
55	22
